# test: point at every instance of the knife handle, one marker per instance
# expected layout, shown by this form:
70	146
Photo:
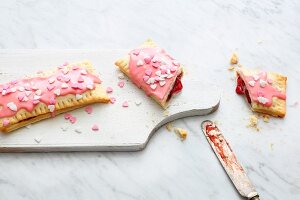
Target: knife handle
254	198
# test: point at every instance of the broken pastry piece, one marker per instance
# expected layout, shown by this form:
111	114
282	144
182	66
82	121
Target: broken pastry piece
181	132
154	71
49	93
264	91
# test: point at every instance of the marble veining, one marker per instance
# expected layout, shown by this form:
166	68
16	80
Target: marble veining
200	34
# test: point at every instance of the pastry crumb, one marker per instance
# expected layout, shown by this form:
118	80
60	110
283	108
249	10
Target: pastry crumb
181	132
266	118
234	59
239	65
166	113
37	140
231	67
253	121
169	127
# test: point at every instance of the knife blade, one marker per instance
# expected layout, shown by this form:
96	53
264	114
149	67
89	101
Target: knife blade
228	160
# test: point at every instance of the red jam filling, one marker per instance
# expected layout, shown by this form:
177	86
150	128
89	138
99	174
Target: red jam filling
176	88
241	89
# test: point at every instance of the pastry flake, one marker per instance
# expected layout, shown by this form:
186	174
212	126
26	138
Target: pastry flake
264	91
49	93
154	71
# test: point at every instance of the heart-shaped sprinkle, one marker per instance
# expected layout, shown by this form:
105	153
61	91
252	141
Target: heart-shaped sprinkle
146	78
75	67
136	52
60	78
112	100
151	80
170	76
65	71
125	104
37	140
89	109
51	108
21	89
90	86
173	69
21	97
51	80
34	87
74	85
28	93
73	119
3	92
155	65
158	73
121	76
262	83
95	127
14	82
67	79
64	86
35	102
148	72
109	89
139	63
52	100
262	100
251	83
25	99
153	86
50	87
13	90
65	64
57	92
121	83
147	59
270	81
83	72
67	116
255	77
5	122
138	102
155	59
78	96
162	83
175	62
36	97
12	106
81	86
78	130
38	92
27	87
80	79
5	87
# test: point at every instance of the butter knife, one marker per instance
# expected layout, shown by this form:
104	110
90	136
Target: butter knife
228	160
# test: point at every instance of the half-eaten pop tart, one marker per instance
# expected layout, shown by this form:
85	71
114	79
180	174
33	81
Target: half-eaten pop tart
264	91
154	71
49	93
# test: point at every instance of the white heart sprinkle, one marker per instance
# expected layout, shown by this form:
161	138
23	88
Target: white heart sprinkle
3	92
51	80
78	96
162	83
158	73
168	71
150	81
255	77
170	76
34	87
155	59
83	72
64	86
12	106
121	76
65	71
140	63
51	107
38	92
57	92
13	89
251	83
153	86
162	78
37	140
25	99
21	89
36	97
78	130
262	83
262	100
28	93
138	102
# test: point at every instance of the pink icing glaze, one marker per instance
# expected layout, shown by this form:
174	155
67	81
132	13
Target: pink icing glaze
268	91
47	90
155	59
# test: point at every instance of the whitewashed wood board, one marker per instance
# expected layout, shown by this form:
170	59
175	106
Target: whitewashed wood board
121	129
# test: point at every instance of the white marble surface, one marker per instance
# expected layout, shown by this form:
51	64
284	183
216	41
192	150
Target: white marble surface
203	34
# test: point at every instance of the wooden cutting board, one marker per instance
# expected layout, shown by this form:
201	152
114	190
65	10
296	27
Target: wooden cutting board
121	129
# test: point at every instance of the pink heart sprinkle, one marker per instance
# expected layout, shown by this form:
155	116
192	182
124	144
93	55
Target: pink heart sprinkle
5	87
67	116
65	64
121	84
67	79
173	69
95	127
112	100
72	119
5	122
50	87
75	67
27	87
81	86
270	81
14	82
125	104
145	78
148	72
52	101
163	71
21	97
155	65
89	109
147	60
260	94
74	85
136	52
175	62
35	102
60	78
80	79
109	89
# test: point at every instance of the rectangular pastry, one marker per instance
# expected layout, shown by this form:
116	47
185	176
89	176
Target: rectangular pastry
264	91
49	93
154	71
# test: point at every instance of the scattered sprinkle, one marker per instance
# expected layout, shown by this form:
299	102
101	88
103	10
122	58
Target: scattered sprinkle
138	102
112	100
109	90
95	127
78	130
12	106
121	83
89	109
125	104
78	96
121	76
37	140
73	119
181	132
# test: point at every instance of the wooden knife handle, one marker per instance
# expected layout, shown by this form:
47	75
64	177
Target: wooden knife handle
254	198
